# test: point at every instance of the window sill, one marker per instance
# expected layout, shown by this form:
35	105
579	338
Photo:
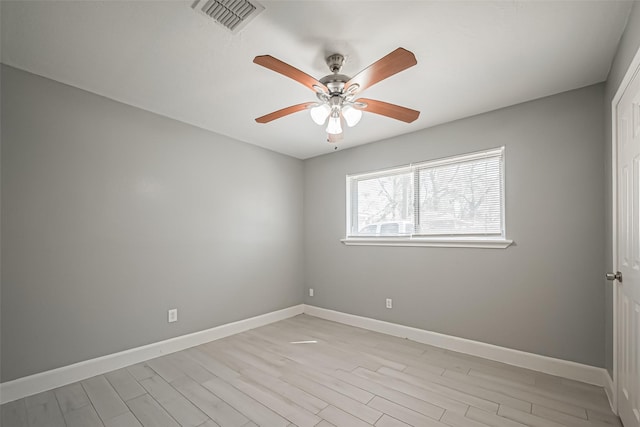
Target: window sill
436	243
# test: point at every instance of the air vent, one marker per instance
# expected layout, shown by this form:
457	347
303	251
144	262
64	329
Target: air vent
233	14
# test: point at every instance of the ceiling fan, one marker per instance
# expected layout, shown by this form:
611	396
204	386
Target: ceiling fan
336	92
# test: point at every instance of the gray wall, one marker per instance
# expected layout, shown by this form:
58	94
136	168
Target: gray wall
542	295
112	215
627	49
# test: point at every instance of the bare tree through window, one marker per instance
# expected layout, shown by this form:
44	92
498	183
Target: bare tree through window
385	199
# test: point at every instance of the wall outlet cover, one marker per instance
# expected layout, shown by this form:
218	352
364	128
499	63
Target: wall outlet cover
173	315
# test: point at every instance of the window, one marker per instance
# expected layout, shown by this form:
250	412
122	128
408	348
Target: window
457	200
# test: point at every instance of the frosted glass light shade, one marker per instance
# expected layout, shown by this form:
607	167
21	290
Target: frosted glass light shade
320	113
351	115
334	125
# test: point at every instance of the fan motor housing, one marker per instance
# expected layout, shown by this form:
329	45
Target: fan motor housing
335	82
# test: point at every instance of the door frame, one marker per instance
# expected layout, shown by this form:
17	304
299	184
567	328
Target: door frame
632	70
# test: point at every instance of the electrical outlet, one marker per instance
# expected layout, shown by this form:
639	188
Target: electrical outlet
173	315
389	303
310	292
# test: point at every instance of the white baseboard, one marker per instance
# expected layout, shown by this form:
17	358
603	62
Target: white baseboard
37	383
535	362
43	381
610	389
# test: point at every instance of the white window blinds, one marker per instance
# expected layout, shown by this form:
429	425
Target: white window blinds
461	196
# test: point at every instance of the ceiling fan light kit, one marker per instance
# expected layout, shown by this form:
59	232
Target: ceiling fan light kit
336	92
334	125
351	115
319	113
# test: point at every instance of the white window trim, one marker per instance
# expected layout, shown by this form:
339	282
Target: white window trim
485	242
429	242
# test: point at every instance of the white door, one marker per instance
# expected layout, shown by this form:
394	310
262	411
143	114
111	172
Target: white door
628	249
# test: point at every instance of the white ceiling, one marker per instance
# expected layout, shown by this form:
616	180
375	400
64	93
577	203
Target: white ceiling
162	56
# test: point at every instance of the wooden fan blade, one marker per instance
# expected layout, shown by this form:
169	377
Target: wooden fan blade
287	70
390	110
334	137
284	112
398	60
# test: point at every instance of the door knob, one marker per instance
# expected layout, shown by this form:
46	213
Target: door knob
614	276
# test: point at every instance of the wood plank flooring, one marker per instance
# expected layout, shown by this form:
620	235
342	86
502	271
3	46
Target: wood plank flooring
307	372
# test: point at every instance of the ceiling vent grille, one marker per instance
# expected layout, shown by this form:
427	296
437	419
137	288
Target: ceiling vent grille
233	14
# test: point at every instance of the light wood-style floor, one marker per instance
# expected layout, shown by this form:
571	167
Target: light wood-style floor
306	372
